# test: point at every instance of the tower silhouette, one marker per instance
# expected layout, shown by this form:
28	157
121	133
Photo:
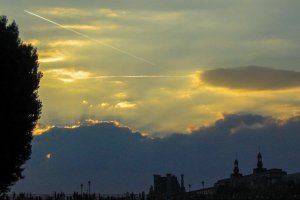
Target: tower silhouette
236	169
259	166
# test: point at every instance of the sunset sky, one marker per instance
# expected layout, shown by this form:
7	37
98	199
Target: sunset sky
196	61
182	38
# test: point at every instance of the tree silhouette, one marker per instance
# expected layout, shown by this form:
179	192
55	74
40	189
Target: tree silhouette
20	107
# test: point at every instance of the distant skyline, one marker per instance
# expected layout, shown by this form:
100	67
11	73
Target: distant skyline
182	38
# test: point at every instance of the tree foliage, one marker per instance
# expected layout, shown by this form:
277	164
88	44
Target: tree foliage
20	107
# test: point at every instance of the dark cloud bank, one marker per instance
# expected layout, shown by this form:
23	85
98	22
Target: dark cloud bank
252	78
116	159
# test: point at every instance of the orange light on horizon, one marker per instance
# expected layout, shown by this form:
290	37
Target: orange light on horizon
40	129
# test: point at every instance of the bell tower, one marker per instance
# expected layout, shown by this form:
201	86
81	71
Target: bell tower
236	169
259	161
259	166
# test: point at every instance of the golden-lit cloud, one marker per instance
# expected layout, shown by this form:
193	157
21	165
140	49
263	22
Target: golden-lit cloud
68	75
64	43
185	94
91	27
72	126
85	102
112	13
104	104
67	12
118	82
50	60
81	27
95	121
40	129
282	111
190	99
125	105
51	56
121	95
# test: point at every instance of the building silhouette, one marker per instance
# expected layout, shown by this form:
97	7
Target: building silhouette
167	188
262	183
261	177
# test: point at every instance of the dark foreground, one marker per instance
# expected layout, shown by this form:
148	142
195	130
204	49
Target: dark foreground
74	196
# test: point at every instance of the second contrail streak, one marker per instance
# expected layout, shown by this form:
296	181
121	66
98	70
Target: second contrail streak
141	76
93	39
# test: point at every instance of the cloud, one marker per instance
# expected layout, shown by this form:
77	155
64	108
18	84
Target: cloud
41	128
80	27
121	95
118	159
67	12
50	60
64	12
164	100
85	102
33	42
51	56
226	34
111	13
68	75
64	43
252	78
125	105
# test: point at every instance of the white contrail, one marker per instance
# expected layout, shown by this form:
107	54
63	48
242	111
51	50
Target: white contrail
93	39
141	76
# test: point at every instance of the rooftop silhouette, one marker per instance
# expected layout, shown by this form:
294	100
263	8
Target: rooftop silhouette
262	183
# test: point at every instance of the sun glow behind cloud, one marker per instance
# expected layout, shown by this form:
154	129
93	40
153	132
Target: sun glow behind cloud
41	129
199	102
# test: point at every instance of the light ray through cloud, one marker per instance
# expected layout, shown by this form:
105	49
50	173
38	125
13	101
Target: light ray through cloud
93	39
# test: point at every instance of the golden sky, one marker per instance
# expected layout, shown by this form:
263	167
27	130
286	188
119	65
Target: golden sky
210	58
